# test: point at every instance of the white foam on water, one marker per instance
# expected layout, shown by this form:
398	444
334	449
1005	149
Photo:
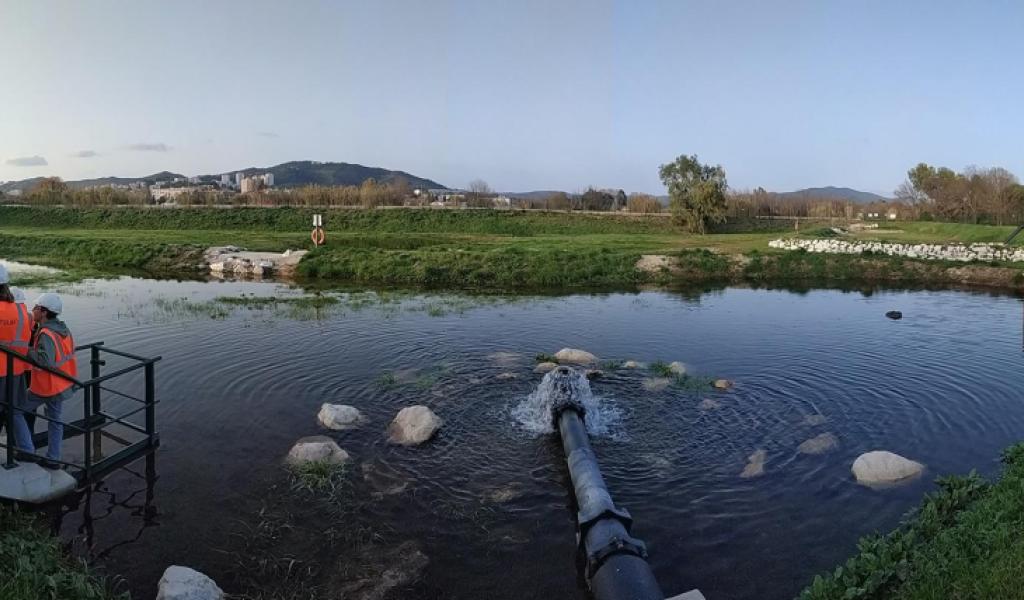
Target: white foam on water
534	413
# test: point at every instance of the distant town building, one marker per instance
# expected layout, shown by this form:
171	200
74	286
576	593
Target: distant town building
170	193
238	179
268	179
255	183
225	180
194	179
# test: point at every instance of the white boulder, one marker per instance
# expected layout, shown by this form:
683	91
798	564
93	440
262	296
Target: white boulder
413	425
340	416
183	583
631	364
316	448
880	467
544	367
677	367
574	356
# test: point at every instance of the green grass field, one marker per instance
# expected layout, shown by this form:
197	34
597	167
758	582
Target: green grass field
478	249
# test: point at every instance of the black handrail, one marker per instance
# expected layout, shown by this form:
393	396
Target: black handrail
94	418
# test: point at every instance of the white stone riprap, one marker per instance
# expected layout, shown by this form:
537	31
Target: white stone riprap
413	425
575	356
340	416
953	252
183	583
316	448
881	467
231	260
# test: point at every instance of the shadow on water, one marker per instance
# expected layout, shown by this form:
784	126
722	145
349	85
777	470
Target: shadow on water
485	510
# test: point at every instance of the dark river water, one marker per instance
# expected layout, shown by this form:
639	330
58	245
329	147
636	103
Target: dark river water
487	501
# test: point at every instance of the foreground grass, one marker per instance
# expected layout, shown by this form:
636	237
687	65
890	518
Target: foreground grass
966	541
33	566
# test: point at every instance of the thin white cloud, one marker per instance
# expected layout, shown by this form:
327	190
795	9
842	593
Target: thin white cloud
85	154
157	147
27	161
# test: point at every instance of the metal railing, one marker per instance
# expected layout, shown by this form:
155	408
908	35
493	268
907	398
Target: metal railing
95	420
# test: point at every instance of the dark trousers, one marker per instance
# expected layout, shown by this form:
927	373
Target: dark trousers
20	387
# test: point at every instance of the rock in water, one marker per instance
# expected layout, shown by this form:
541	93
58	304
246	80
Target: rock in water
819	444
709	404
544	367
594	374
815	420
881	467
631	364
755	464
339	416
722	384
316	448
656	384
574	356
894	314
677	367
413	425
397	568
183	583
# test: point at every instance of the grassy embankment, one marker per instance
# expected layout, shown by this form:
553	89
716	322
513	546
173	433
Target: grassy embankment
34	567
494	250
966	541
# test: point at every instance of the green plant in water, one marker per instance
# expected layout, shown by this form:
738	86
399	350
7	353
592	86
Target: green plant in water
318	477
661	369
542	357
386	379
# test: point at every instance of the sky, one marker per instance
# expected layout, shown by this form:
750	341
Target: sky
525	95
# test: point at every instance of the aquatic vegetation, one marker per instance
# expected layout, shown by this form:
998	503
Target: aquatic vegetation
321	477
386	379
184	307
661	368
962	542
543	357
33	565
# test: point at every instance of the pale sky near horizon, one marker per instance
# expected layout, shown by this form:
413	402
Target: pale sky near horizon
525	95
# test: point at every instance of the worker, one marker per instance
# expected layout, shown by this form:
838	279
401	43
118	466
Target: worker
53	347
15	334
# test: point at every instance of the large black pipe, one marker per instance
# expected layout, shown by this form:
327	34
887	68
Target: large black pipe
616	565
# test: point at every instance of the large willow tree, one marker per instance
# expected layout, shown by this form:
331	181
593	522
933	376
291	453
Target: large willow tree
696	192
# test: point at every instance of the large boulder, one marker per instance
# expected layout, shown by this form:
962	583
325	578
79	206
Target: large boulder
316	448
574	356
819	444
183	583
413	425
880	467
340	416
722	384
544	367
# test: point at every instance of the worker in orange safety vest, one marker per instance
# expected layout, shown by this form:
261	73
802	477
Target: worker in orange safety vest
15	335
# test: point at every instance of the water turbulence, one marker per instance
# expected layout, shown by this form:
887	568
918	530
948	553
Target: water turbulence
560	385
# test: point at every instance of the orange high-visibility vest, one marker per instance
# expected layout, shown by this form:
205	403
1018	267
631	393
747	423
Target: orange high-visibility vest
15	332
43	383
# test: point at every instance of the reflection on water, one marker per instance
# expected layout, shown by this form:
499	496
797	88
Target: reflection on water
487	502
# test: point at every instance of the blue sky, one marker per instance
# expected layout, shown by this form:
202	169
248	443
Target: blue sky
525	95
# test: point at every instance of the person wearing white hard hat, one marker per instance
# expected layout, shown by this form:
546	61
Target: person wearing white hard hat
52	347
15	336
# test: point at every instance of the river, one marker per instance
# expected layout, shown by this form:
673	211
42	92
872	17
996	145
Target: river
487	501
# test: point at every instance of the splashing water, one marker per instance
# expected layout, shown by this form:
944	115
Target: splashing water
534	413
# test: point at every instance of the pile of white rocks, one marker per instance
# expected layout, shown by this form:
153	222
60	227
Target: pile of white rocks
231	260
955	252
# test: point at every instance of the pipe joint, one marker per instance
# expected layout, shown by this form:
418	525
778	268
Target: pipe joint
617	545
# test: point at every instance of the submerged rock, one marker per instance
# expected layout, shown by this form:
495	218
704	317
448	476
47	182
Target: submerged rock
755	464
544	367
384	479
594	373
656	384
413	425
677	367
722	384
505	494
819	444
506	375
506	359
340	416
183	583
574	356
815	420
709	404
631	364
881	467
390	570
316	448
894	315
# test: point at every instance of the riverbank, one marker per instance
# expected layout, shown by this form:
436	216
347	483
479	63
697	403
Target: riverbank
963	542
34	567
479	250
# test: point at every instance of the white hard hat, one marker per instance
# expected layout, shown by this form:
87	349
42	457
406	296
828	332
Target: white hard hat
50	302
19	295
4	276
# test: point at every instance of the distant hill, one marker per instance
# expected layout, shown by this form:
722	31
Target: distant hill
308	172
834	193
289	174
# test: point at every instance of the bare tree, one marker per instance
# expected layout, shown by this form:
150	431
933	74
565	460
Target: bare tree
479	194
